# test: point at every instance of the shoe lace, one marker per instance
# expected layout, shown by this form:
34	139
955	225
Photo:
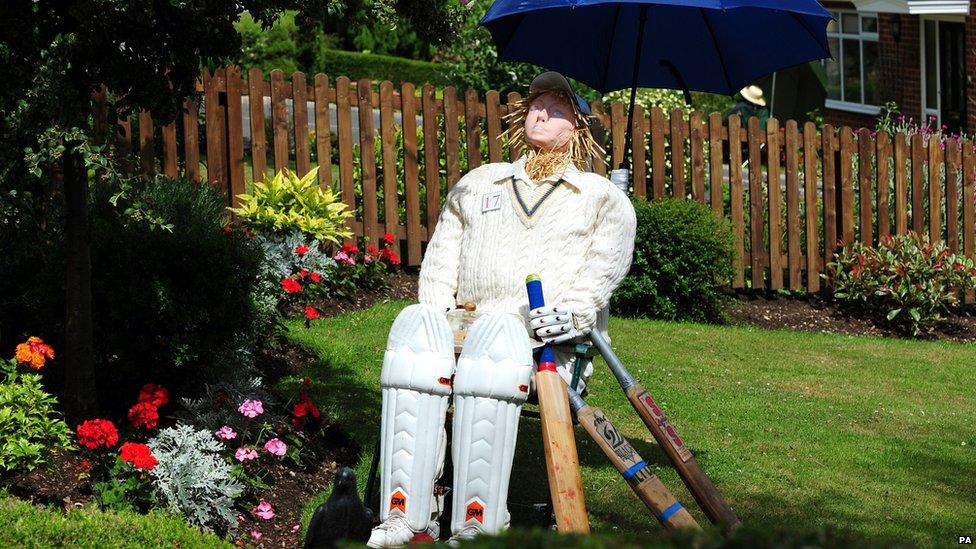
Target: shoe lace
393	523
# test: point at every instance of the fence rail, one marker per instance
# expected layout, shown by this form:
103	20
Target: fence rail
799	192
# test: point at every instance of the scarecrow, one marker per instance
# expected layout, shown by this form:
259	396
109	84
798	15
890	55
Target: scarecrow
541	214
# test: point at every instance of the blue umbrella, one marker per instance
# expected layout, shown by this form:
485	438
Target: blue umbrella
715	46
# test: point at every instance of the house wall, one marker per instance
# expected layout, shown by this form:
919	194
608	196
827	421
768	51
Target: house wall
971	68
900	68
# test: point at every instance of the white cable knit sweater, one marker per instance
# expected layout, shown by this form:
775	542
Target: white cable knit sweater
579	240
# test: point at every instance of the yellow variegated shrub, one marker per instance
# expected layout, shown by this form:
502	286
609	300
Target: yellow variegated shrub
288	203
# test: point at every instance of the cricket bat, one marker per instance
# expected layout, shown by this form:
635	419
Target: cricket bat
655	495
698	483
558	439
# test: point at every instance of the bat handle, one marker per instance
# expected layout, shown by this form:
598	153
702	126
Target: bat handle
617	367
576	402
533	285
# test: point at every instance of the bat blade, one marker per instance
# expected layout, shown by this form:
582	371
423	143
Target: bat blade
699	484
638	474
562	461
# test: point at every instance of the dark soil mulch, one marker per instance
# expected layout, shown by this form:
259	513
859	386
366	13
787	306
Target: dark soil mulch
814	314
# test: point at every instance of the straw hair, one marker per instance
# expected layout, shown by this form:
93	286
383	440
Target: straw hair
581	147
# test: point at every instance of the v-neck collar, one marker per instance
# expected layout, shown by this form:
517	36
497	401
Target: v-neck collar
525	211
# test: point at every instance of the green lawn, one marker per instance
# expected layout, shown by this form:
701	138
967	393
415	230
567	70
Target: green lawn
26	526
800	431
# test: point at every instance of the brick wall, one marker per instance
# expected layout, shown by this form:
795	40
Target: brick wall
901	66
971	68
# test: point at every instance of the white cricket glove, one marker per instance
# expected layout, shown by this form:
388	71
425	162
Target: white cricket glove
555	325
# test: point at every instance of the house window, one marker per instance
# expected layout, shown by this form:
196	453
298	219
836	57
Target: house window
852	74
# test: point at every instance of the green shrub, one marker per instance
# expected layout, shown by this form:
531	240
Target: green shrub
31	428
906	281
682	255
290	203
380	67
168	304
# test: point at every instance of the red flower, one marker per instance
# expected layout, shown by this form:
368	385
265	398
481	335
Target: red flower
84	465
305	407
93	433
390	256
306	381
291	286
228	229
311	313
316	277
301	249
157	395
388	238
350	248
372	250
138	454
143	414
303	273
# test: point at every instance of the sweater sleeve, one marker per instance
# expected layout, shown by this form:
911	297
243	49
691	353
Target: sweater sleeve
438	282
607	259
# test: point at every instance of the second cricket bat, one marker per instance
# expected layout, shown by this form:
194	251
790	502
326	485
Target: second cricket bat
638	474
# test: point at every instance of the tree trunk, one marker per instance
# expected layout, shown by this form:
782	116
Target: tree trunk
80	400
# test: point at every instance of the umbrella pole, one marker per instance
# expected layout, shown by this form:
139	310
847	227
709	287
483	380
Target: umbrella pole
628	140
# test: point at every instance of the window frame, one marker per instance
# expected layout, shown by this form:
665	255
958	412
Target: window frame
861	37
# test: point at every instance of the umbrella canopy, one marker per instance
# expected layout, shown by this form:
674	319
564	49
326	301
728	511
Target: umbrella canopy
714	46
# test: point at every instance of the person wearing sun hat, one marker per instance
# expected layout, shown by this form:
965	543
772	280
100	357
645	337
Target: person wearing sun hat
541	214
753	103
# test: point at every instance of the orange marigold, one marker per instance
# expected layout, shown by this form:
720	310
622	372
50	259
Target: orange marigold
34	352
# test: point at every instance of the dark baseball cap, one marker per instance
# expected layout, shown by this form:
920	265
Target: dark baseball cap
554	81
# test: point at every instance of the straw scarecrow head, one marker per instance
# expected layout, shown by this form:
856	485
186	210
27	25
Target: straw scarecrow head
552	124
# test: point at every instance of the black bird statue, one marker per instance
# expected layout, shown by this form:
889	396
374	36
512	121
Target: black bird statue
342	517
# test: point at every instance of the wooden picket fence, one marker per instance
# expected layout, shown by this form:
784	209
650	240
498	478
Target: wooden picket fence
814	189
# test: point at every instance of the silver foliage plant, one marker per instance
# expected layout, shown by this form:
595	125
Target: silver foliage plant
193	478
218	405
280	259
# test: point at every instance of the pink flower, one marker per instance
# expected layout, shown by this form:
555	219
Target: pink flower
251	408
256	534
264	510
244	454
343	257
295	528
367	258
225	433
276	447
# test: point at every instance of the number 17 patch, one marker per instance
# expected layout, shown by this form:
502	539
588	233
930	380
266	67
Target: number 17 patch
491	201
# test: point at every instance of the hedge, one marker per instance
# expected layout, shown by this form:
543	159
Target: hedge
381	67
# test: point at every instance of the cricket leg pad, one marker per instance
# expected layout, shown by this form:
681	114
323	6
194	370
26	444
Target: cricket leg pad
416	382
491	384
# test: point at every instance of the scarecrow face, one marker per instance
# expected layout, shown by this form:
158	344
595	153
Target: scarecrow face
549	123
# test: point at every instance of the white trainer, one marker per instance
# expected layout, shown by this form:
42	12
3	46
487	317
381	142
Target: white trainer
395	532
467	533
